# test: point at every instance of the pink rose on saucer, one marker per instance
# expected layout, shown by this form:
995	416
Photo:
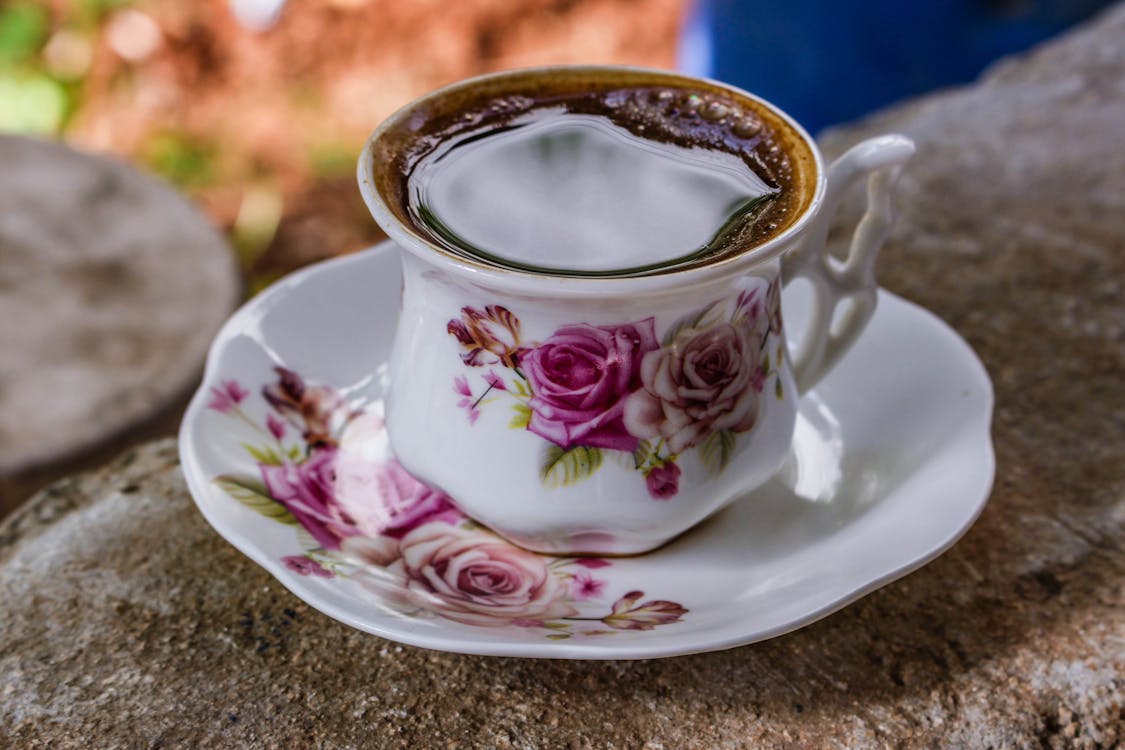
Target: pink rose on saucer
384	499
339	493
468	575
408	503
307	490
580	378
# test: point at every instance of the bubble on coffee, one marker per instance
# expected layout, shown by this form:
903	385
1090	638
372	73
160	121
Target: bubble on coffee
613	182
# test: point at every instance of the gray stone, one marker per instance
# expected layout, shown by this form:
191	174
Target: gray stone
128	622
111	287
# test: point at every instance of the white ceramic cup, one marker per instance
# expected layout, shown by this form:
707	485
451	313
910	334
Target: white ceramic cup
606	415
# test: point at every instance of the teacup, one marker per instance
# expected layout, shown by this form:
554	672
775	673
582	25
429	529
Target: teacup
606	414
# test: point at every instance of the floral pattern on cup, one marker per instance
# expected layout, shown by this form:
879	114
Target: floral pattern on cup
595	390
409	545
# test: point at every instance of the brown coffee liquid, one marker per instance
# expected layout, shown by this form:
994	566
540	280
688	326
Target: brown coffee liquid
616	182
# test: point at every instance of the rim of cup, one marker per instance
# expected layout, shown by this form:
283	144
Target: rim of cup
414	241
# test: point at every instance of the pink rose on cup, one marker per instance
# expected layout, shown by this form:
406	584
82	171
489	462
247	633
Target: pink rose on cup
470	576
580	378
706	379
663	481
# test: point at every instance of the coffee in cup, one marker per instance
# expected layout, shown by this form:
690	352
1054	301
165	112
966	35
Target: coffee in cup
607	182
599	177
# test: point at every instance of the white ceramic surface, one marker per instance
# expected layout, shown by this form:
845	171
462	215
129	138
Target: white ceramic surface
891	463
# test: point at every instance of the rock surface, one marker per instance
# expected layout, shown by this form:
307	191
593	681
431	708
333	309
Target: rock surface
111	287
128	622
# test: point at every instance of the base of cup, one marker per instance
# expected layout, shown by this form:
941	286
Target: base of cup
588	544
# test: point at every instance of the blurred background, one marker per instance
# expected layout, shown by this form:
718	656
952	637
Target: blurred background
257	108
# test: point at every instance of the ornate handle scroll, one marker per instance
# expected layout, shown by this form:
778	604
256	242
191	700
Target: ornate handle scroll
852	281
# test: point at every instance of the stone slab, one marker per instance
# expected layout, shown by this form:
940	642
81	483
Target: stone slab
111	287
127	622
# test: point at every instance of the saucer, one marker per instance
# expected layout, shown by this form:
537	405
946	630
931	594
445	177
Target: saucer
284	451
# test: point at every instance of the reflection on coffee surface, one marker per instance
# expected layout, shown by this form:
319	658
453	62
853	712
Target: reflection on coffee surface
614	182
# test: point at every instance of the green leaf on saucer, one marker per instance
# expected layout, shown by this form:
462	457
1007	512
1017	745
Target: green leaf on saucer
254	495
266	455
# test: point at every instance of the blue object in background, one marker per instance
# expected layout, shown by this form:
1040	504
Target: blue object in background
828	62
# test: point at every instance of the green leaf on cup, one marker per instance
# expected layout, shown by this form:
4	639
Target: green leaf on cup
253	494
777	389
561	468
522	417
717	450
635	460
642	453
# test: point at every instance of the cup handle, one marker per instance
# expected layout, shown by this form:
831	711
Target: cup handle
852	280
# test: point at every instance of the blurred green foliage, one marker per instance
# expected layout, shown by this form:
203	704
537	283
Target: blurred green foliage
23	31
31	100
33	103
47	53
34	99
89	12
185	161
330	160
